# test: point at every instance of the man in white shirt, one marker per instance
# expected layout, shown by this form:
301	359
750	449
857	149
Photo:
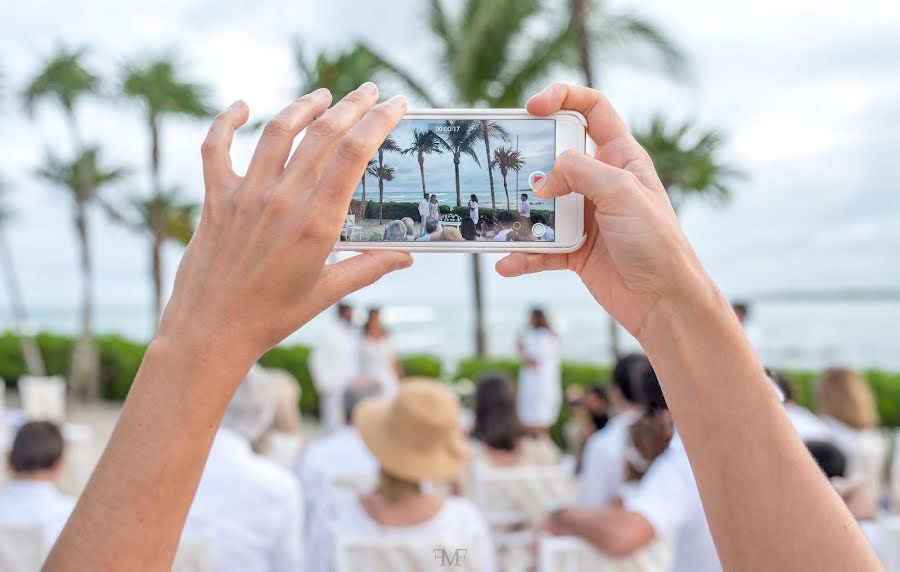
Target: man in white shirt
505	219
30	499
334	363
665	505
603	460
524	207
432	226
249	508
424	209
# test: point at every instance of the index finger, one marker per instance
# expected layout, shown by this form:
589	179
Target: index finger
604	124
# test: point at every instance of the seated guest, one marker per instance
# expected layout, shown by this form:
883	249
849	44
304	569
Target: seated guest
451	234
845	402
416	439
486	227
506	221
859	499
431	230
549	233
603	461
395	231
30	499
467	229
410	228
250	506
806	424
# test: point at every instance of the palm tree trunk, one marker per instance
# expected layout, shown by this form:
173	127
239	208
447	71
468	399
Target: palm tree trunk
422	173
615	348
480	340
361	209
487	152
157	273
380	186
34	361
456	169
84	369
157	222
579	10
505	190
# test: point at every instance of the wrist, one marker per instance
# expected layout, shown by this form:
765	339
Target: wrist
197	358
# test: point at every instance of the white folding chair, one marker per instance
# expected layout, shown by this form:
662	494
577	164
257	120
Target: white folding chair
79	458
21	549
43	398
571	554
383	554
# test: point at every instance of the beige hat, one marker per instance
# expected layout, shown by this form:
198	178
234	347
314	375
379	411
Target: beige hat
416	435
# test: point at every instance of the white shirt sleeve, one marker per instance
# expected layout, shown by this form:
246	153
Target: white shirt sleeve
665	496
600	476
288	549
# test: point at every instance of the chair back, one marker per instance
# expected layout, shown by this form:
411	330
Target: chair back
21	549
194	554
521	495
43	397
571	554
384	554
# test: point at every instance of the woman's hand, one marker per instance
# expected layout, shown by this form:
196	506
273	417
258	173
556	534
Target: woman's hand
254	271
635	253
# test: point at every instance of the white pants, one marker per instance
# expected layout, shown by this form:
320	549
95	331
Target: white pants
422	230
331	410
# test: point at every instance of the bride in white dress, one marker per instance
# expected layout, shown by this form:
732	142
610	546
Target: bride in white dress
378	361
539	395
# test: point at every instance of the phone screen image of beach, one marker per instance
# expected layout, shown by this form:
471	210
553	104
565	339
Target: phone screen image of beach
456	180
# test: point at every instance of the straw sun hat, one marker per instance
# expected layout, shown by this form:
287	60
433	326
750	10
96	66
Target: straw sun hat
416	435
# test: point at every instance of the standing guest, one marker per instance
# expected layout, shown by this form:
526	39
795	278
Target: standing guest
377	358
451	234
603	462
806	424
395	231
424	210
334	362
540	386
524	207
742	311
416	438
845	402
410	228
30	499
434	210
467	229
432	229
505	219
251	507
473	209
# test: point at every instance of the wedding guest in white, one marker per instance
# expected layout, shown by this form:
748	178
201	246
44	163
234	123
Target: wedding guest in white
540	386
395	231
410	228
378	361
845	402
505	220
808	426
249	506
416	438
424	211
473	208
30	499
603	460
524	207
434	210
432	231
334	363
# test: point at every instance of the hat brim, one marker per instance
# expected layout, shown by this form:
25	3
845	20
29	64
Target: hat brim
441	463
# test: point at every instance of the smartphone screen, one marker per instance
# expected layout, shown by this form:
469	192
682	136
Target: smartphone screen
445	180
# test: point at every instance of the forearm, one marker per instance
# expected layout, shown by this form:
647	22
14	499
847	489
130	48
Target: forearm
757	482
611	531
148	474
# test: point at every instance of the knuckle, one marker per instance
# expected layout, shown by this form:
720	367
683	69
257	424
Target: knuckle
353	148
277	127
326	127
209	147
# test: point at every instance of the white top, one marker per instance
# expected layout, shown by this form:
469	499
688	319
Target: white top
28	504
603	462
865	449
524	208
473	211
539	394
424	238
806	424
501	235
667	496
424	207
549	235
434	211
378	361
250	507
334	361
457	524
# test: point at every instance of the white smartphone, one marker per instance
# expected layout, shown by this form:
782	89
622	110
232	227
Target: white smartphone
460	180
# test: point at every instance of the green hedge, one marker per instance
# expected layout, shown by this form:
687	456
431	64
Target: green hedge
422	365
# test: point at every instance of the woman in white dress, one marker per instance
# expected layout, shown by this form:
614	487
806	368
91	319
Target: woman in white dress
378	361
473	208
434	210
540	387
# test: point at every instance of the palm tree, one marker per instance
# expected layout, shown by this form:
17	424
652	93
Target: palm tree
506	160
423	143
343	72
388	146
370	170
34	361
158	87
488	129
459	138
179	217
686	159
65	80
82	179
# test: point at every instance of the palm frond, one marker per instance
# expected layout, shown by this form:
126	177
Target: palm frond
64	78
159	86
543	56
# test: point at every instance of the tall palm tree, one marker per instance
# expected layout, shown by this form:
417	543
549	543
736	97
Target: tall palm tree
82	178
459	138
686	159
178	216
34	361
388	146
344	71
486	130
423	143
162	92
369	170
506	160
65	80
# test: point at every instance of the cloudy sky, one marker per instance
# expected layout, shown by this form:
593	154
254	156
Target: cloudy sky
807	91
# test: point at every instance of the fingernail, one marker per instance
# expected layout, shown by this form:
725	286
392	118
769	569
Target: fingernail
398	100
236	104
321	92
369	87
539	184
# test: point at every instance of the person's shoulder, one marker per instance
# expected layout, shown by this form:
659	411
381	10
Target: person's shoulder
462	511
273	479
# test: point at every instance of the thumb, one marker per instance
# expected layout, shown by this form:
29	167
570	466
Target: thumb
609	188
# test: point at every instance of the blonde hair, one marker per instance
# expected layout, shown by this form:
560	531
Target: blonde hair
394	489
451	233
846	396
